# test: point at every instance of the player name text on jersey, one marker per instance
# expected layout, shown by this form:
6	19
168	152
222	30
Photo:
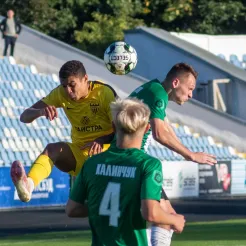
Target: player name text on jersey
115	171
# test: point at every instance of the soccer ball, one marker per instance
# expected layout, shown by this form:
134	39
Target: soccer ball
120	58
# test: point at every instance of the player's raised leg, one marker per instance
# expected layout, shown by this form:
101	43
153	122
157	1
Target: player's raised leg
58	154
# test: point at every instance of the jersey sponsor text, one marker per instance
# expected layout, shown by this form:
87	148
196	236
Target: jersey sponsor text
95	128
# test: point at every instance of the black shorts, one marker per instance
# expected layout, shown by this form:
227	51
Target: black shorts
163	195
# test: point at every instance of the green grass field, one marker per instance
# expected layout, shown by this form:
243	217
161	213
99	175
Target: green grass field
220	233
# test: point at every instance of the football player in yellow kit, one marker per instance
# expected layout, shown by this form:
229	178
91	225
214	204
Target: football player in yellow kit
87	107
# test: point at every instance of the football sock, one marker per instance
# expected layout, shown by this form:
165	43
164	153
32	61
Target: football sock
160	236
40	169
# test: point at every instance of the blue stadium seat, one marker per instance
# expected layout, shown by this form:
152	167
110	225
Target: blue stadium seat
44	141
205	141
6	93
233	57
7	121
26	131
64	132
1	133
4	157
19	131
222	56
152	152
237	63
25	156
13	93
6	60
64	121
27	70
244	58
18	156
11	157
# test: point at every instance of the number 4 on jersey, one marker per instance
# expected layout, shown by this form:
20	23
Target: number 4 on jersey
110	203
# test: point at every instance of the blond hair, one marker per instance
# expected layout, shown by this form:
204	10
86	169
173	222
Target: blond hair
129	115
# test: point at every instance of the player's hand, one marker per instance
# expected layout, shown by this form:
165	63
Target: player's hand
50	112
95	147
203	158
179	223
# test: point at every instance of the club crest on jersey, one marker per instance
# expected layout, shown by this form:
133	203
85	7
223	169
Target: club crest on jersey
159	103
85	120
94	107
157	177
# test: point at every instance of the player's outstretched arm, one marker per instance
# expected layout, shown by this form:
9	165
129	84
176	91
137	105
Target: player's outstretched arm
170	129
162	135
153	213
37	110
75	209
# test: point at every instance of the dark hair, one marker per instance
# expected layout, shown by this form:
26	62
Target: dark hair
180	69
72	68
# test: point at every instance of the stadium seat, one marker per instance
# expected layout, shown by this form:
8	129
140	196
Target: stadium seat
222	56
244	58
4	157
233	58
237	63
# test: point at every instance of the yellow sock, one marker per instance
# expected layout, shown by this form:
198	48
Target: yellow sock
40	169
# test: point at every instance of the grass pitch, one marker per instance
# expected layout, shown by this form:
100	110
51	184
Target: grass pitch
219	233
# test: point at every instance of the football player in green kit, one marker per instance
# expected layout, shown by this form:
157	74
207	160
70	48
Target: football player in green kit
178	87
120	189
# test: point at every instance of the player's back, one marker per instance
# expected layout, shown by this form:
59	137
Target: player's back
113	182
151	89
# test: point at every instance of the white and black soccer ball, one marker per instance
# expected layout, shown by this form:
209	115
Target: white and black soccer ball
120	58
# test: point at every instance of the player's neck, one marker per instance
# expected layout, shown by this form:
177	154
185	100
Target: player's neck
125	142
166	87
86	92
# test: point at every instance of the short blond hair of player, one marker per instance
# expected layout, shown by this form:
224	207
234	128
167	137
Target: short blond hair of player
129	116
87	107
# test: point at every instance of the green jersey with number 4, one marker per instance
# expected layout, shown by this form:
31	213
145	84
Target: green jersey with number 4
113	184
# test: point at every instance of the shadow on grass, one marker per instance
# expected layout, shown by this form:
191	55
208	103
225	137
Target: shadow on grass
203	231
22	231
45	236
224	230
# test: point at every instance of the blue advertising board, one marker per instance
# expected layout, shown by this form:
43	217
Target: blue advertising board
52	191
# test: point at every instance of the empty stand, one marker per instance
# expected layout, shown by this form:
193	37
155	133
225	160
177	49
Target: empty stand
20	87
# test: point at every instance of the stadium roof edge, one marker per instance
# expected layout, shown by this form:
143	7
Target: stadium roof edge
193	50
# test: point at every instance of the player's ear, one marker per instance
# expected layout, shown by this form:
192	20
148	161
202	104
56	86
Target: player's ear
175	83
147	128
85	78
